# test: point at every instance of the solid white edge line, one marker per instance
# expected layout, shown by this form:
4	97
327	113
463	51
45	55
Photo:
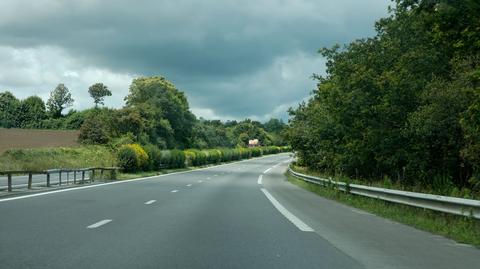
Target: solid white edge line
150	202
292	218
124	181
98	224
259	181
174	191
268	170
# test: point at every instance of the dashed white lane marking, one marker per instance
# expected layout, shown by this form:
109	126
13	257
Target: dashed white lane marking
292	218
200	181
268	170
215	175
189	185
174	191
98	224
150	202
259	181
208	177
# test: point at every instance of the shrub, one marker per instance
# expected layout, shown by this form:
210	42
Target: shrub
173	158
127	159
154	157
132	157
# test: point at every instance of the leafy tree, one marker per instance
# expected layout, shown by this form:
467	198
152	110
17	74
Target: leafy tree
60	98
9	105
31	112
399	105
165	110
98	92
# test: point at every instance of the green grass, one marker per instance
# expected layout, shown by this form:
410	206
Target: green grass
48	158
458	228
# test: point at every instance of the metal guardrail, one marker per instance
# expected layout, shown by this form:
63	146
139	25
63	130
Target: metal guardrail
446	204
81	178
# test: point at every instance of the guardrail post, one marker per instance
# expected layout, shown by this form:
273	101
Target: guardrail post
68	177
30	180
60	178
92	175
75	177
48	179
101	173
83	176
9	176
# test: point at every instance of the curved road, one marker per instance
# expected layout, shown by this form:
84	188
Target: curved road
220	217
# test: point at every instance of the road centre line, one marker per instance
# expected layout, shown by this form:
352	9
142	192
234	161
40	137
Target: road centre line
189	185
260	180
292	218
150	202
200	181
98	224
174	191
266	171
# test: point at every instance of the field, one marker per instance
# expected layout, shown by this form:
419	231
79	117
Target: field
26	138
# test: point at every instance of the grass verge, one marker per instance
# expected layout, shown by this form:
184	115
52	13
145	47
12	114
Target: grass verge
461	229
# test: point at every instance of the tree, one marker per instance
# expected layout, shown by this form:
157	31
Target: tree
8	110
60	98
31	112
165	109
98	92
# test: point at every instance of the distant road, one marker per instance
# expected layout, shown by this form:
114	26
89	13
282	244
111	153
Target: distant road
240	215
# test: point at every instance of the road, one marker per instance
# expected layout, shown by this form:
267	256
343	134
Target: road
221	217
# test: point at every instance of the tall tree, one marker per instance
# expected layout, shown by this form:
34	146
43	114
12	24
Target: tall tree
31	112
98	92
60	98
166	109
8	110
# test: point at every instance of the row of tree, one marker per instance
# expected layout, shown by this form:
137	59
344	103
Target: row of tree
404	104
156	113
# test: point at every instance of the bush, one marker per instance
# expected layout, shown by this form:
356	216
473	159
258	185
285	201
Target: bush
173	158
132	157
154	157
127	159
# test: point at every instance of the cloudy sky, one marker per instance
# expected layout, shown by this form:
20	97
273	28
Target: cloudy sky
233	59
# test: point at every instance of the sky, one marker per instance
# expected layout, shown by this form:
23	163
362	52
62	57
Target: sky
233	59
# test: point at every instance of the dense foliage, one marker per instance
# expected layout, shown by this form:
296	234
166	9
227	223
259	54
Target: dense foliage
156	113
402	105
130	156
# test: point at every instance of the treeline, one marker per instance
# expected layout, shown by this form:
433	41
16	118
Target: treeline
156	113
403	105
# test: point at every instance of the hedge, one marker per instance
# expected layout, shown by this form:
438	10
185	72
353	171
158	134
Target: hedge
153	158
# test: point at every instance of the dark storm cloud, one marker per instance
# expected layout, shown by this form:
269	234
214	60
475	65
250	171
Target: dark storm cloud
214	50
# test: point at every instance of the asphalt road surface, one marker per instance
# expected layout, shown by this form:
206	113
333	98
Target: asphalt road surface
220	217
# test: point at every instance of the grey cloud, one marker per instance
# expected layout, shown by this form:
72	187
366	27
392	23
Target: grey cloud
211	49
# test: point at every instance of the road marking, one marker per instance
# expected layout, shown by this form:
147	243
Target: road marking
150	202
260	180
292	218
189	185
208	178
174	191
127	181
200	181
98	224
268	170
215	175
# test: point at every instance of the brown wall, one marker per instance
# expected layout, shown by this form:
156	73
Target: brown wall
26	138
